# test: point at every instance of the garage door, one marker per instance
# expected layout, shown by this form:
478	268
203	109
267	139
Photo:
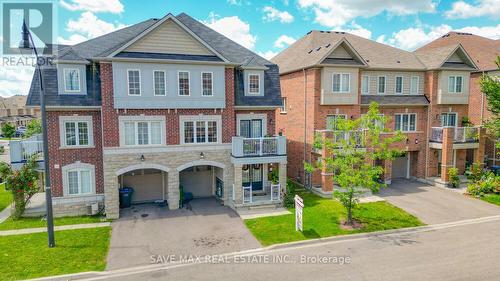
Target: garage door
147	185
198	180
400	167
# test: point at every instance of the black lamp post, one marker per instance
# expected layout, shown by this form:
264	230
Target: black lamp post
28	44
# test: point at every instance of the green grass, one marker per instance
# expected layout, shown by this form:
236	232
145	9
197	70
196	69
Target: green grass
492	198
27	256
321	218
10	224
5	197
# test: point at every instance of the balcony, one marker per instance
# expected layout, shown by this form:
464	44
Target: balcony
22	150
463	137
336	137
265	148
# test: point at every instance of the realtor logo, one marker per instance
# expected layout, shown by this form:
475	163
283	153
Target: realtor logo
39	18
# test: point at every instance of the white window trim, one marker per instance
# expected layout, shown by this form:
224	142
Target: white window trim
164	81
261	116
329	115
455	86
340	85
367	85
212	90
142	118
378	84
62	131
418	84
79	80
78	166
128	84
179	84
194	118
401	121
283	107
396	84
248	83
449	113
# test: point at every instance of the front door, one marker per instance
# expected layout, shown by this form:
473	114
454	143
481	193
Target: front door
251	128
252	175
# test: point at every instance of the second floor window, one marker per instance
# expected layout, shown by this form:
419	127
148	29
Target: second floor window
449	119
200	131
253	83
399	85
365	84
406	122
134	82
207	83
341	82
283	105
455	84
414	85
76	133
183	83
332	121
143	132
160	83
381	85
71	80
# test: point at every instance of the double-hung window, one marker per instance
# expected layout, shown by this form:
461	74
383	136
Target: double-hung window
414	85
200	130
183	83
254	84
283	105
381	85
143	132
399	85
449	119
72	80
405	122
134	82
365	84
76	133
341	82
160	82
455	84
332	121
207	84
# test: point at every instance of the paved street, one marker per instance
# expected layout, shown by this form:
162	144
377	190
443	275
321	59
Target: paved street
466	251
435	205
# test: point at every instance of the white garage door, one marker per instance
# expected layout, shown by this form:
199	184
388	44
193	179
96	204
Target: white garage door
400	167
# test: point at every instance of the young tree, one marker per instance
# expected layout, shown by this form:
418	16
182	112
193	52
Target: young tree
356	146
34	127
490	86
8	130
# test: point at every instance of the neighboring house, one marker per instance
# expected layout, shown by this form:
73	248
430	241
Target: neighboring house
483	52
13	110
162	105
330	75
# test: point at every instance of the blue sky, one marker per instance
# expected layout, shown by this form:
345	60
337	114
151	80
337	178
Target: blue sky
267	27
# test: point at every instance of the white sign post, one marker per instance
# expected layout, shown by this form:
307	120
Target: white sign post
299	205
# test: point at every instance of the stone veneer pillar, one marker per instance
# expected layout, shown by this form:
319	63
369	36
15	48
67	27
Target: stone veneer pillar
238	183
111	197
173	190
447	153
282	177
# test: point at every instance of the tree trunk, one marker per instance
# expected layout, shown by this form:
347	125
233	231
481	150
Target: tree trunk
349	211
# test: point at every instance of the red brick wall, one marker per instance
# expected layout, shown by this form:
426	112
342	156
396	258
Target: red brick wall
110	114
63	157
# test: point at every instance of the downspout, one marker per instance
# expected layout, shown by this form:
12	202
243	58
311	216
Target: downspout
305	121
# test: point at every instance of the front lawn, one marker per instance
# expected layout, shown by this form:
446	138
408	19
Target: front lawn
10	223
321	217
5	197
492	198
27	256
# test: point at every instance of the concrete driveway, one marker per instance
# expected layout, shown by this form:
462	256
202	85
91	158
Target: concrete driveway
435	205
148	230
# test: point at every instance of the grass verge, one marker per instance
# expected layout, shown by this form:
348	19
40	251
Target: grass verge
492	198
27	256
321	218
35	222
5	197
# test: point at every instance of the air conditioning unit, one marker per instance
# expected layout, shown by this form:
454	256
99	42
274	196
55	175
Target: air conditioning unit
93	209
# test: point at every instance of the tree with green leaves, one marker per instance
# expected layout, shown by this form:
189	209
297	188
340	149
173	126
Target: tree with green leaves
8	130
490	86
34	127
355	147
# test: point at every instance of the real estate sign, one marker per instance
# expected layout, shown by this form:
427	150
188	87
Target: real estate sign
299	205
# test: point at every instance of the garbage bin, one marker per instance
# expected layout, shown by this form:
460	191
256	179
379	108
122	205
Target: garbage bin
496	170
126	197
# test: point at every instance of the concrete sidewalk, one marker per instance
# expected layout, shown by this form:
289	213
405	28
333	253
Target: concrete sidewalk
57	228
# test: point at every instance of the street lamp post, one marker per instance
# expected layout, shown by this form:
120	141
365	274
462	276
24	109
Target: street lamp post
28	44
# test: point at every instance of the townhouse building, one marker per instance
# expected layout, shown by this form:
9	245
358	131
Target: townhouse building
329	75
164	106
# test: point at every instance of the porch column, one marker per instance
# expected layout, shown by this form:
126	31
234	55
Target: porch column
282	177
447	152
173	190
479	152
111	197
238	184
388	171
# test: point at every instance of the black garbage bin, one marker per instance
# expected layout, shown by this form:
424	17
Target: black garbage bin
126	197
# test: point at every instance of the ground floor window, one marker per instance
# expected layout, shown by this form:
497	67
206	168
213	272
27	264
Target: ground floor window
78	179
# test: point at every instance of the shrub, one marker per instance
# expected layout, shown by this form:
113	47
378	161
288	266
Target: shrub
489	183
476	172
2	149
453	176
289	200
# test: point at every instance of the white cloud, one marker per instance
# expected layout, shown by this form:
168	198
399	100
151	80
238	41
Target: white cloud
336	13
238	2
233	28
110	6
87	26
284	40
72	40
463	10
15	80
357	29
414	37
268	54
273	14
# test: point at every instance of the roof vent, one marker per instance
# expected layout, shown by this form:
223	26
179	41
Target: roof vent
318	49
310	51
327	46
328	32
309	32
321	31
367	60
398	61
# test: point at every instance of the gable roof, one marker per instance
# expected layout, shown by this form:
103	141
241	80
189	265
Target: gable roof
437	57
310	49
481	49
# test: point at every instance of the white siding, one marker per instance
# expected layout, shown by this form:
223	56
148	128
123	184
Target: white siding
445	97
327	94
